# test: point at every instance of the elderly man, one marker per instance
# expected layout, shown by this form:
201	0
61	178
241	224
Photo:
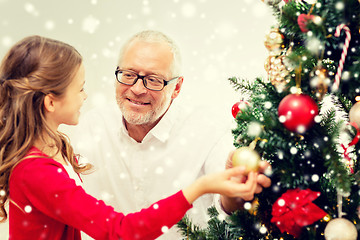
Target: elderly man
148	146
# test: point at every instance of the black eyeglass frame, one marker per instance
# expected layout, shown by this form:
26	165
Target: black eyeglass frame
166	82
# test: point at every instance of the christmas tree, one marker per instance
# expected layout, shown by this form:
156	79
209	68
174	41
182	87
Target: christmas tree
306	123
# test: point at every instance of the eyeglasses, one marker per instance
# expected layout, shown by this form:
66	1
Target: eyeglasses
151	82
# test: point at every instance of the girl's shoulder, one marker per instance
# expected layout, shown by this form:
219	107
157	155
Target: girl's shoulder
35	163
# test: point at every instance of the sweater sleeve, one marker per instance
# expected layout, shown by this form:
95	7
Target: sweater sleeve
48	187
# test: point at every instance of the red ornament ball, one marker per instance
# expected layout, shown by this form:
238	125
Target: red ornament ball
297	112
238	106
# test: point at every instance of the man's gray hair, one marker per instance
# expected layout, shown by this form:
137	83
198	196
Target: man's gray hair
156	36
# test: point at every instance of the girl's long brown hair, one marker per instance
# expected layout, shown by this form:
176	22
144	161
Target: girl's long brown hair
33	67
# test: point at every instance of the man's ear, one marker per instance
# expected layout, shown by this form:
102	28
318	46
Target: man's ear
177	88
49	103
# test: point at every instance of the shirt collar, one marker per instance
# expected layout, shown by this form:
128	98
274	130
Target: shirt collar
162	130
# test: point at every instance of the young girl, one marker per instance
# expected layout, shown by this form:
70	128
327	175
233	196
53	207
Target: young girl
41	87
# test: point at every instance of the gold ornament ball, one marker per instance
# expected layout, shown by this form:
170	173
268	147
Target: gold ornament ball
277	72
319	81
248	157
274	40
354	113
340	229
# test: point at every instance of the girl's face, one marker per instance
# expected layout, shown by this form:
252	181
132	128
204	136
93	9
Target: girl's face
67	108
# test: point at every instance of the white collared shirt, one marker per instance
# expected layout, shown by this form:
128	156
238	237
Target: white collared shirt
129	176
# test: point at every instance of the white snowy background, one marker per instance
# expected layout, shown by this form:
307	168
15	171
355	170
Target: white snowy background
217	39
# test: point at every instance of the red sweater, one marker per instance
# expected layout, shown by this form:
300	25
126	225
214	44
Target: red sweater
45	203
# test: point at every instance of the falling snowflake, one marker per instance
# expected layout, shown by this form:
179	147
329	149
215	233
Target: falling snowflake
159	170
183	141
281	202
259	10
268	171
254	129
226	30
28	209
293	150
176	184
314	45
29	8
169	162
90	24
310	1
267	105
263	230
317	119
345	75
109	53
49	25
146	10
188	10
151	23
247	205
7	41
301	129
106	196
339	6
315	178
221	217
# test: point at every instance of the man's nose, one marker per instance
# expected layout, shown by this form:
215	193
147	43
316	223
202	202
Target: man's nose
139	88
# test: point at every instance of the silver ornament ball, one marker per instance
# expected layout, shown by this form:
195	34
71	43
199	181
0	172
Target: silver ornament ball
354	113
340	229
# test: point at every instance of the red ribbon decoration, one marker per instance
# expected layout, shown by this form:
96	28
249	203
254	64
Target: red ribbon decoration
294	210
353	142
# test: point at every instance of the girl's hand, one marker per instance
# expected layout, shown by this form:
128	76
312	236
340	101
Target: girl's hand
262	180
231	183
231	204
